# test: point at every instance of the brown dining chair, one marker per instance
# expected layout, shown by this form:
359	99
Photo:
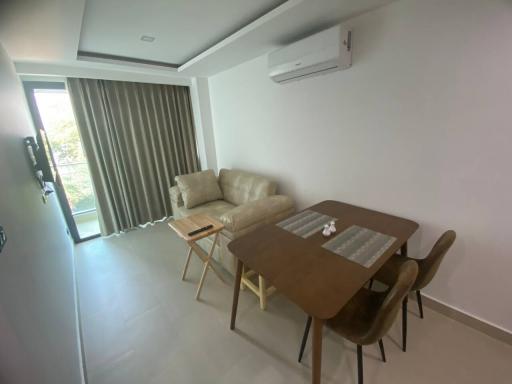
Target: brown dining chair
427	270
367	317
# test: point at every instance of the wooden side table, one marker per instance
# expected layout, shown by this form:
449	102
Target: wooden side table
183	227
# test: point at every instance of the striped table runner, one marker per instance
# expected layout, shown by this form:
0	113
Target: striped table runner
306	223
361	245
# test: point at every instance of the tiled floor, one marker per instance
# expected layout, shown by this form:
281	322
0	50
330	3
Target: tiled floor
141	324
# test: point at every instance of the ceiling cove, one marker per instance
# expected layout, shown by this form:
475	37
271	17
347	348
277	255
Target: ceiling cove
164	33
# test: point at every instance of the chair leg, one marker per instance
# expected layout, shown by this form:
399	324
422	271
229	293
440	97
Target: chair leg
262	285
359	364
404	324
305	337
370	285
242	285
382	353
420	304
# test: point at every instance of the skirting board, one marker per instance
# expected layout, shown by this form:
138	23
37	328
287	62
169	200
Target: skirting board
466	319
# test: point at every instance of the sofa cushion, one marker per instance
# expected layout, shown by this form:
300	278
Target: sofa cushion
214	209
198	188
256	212
239	187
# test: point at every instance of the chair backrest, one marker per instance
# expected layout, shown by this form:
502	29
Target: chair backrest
239	187
430	264
392	303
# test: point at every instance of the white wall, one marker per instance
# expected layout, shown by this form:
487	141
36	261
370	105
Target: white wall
420	126
38	328
200	95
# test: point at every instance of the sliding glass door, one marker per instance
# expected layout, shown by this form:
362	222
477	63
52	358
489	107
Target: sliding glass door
53	116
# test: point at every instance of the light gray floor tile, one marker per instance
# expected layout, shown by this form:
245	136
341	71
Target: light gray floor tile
141	324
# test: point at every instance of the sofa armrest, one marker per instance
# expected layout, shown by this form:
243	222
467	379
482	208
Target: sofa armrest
176	198
258	212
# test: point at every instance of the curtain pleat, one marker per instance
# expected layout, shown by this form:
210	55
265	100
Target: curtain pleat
137	137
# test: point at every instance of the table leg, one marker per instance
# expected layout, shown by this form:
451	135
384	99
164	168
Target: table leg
206	266
403	250
317	349
186	263
236	292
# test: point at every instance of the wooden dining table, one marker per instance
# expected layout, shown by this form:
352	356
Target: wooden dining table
317	280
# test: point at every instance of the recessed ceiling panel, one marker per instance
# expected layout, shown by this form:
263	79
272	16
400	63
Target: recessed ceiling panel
179	29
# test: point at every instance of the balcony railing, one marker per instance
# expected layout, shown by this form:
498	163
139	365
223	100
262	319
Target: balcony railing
77	184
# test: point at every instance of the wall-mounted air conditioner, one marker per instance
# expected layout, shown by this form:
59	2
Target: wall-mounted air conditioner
321	53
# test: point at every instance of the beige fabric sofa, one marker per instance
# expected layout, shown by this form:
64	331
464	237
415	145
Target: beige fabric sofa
248	202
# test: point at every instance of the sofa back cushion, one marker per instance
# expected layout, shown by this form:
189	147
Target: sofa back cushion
239	187
198	188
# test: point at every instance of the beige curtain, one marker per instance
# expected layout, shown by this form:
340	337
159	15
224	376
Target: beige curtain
136	137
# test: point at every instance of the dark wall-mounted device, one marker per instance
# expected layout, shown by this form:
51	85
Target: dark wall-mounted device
3	238
38	155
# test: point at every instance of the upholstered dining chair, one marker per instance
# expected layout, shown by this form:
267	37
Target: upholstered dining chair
367	317
427	270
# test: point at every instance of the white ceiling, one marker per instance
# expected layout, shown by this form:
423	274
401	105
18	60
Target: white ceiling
51	32
41	30
182	28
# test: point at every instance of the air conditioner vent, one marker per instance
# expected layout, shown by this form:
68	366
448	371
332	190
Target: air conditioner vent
323	52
